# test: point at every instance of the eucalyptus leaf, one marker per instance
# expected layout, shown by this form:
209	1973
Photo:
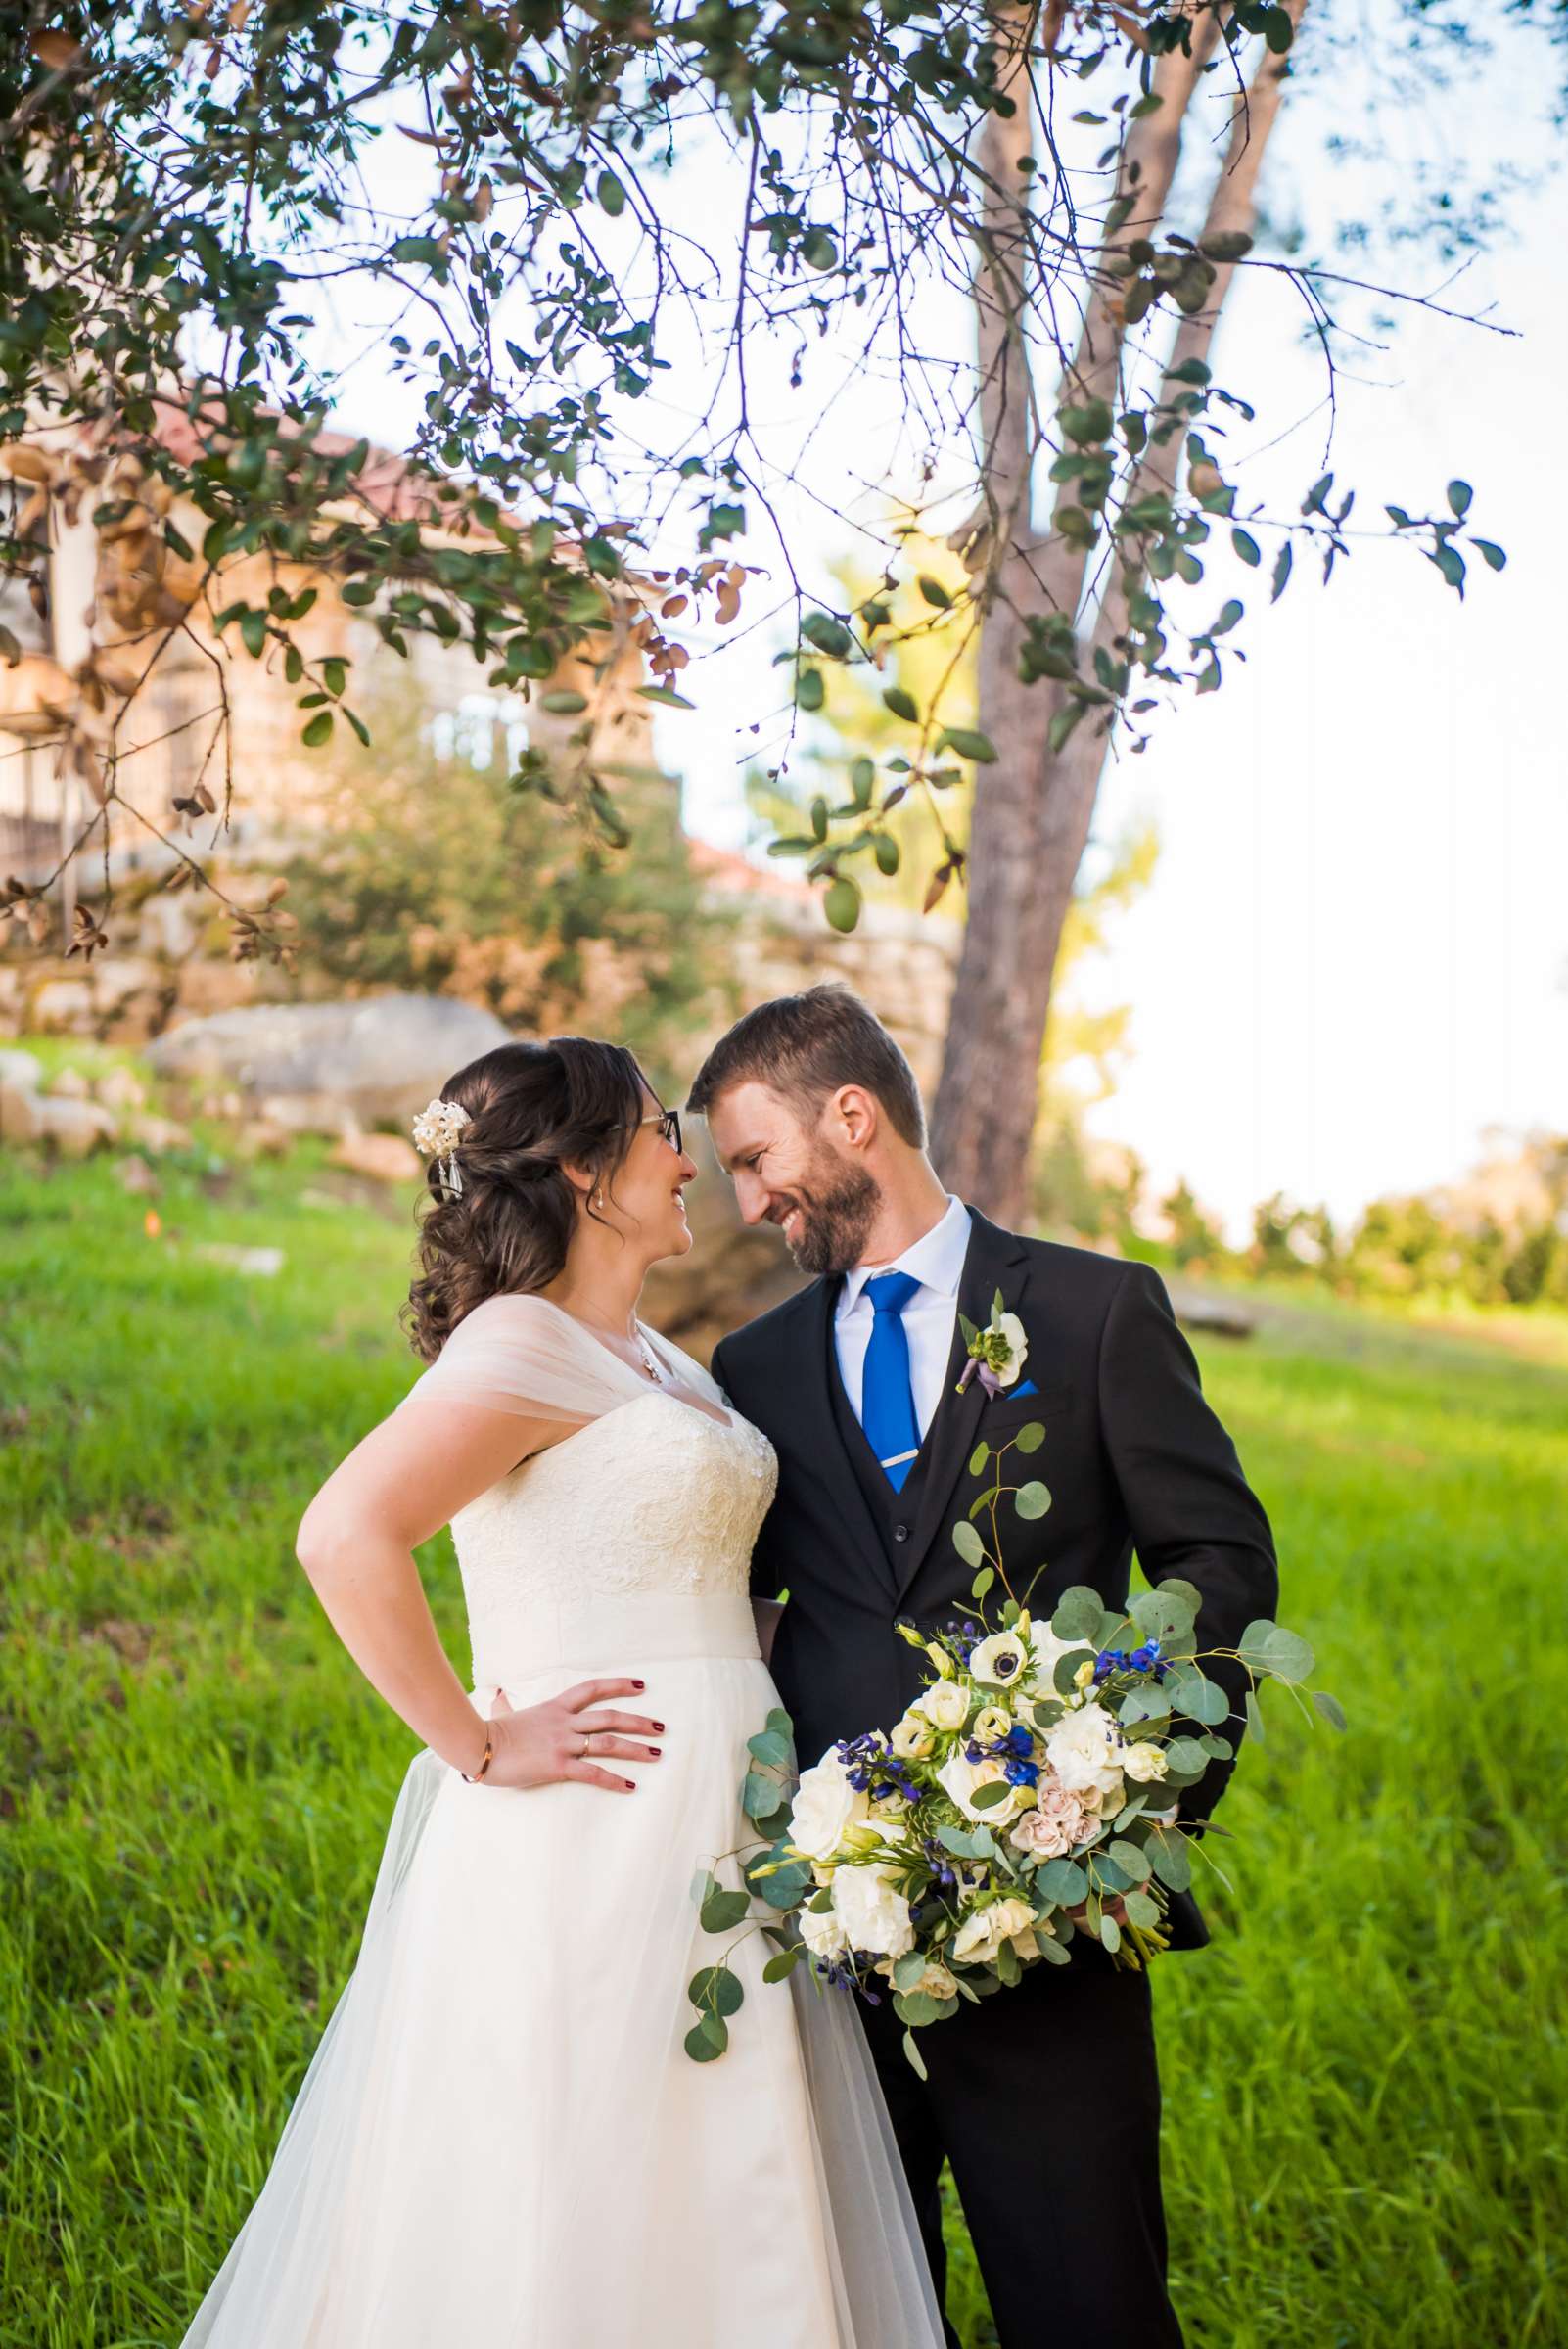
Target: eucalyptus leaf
1132	1858
1029	1437
967	1543
783	1961
1064	1882
1332	1710
1032	1501
721	1911
1077	1614
716	1990
1141	1910
1169	1859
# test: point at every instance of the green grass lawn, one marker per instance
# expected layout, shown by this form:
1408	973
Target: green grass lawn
1365	2081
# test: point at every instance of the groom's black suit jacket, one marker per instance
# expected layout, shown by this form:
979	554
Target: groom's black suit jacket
1133	1459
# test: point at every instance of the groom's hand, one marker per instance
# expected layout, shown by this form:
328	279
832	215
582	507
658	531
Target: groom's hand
564	1739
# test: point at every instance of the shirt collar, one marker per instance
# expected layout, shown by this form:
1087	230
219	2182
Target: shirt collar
936	1260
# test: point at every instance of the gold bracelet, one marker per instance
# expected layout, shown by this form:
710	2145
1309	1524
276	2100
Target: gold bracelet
473	1778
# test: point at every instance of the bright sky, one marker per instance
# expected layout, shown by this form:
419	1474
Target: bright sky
1353	961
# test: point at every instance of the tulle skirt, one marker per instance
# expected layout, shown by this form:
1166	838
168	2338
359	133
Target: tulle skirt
502	2140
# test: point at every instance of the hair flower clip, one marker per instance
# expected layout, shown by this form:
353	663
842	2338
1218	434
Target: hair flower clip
436	1131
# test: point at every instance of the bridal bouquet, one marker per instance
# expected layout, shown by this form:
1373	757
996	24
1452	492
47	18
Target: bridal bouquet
1030	1793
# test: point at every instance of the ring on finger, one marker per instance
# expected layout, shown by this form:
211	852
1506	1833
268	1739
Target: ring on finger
582	1750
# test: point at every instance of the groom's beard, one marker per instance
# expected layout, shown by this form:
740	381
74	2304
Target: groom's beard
837	1211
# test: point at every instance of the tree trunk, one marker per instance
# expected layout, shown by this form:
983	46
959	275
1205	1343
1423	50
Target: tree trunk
1033	809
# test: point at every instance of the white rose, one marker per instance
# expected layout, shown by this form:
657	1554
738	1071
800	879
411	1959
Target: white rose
1000	1659
823	1934
960	1778
980	1937
946	1705
825	1804
936	1981
1045	1652
1145	1761
1085	1749
873	1915
912	1737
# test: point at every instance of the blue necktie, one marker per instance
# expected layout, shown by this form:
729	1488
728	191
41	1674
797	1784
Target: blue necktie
887	1396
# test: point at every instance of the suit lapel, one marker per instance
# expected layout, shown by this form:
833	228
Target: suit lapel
996	1260
819	1429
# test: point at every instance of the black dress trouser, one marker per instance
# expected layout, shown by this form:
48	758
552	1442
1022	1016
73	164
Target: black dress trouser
1045	2099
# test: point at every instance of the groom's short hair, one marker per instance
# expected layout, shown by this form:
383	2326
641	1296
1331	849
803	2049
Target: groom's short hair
805	1046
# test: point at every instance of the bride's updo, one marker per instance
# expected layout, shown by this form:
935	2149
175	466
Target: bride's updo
529	1107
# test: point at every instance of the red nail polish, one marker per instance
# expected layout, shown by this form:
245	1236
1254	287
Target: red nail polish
630	1785
659	1726
640	1684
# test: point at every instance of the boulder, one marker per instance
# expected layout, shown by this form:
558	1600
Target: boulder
159	1134
20	1068
332	1067
383	1157
75	1129
21	1110
65	1005
121	1088
257	1263
258	1138
69	1085
135	1175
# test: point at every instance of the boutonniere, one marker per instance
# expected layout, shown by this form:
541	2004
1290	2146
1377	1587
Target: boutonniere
997	1353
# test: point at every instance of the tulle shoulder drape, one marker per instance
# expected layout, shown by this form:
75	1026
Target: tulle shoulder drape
528	1356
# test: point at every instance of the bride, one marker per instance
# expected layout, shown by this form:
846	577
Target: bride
500	2141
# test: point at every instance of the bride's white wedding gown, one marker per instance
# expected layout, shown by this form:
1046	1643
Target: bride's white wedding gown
500	2143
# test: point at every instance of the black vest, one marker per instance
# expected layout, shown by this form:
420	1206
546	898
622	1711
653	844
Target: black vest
892	1512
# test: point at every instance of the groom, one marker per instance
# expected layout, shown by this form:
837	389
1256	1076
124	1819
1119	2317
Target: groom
1045	2097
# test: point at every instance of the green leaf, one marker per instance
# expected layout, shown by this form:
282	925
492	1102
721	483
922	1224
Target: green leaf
1077	1614
253	632
934	591
1254	1713
1281	572
563	703
761	1796
612	194
982	1583
716	1990
1287	1655
427	250
969	744
1187	1757
979	1457
1225	245
842	902
917	2008
1032	1499
1247	547
818	249
967	1543
1277	30
810	691
318	731
902	703
1029	1437
917	2062
1198	1697
708	2040
723	1910
985	1798
769	1746
1130	1858
1460	496
667	696
1063	1882
829	636
1332	1710
1110	1933
1141	1910
1489	553
783	1961
1168	1857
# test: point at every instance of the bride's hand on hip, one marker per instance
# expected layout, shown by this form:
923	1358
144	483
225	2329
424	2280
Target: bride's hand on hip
567	1738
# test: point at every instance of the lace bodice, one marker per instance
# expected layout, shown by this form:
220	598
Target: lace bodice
655	1496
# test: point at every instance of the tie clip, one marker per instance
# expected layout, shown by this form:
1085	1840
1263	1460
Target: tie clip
900	1457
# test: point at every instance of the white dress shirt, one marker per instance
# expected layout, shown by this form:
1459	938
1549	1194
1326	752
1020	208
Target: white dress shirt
937	1261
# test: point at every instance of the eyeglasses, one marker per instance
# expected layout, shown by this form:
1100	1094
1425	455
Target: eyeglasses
667	1121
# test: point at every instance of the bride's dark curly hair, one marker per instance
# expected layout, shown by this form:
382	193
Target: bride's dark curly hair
531	1107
